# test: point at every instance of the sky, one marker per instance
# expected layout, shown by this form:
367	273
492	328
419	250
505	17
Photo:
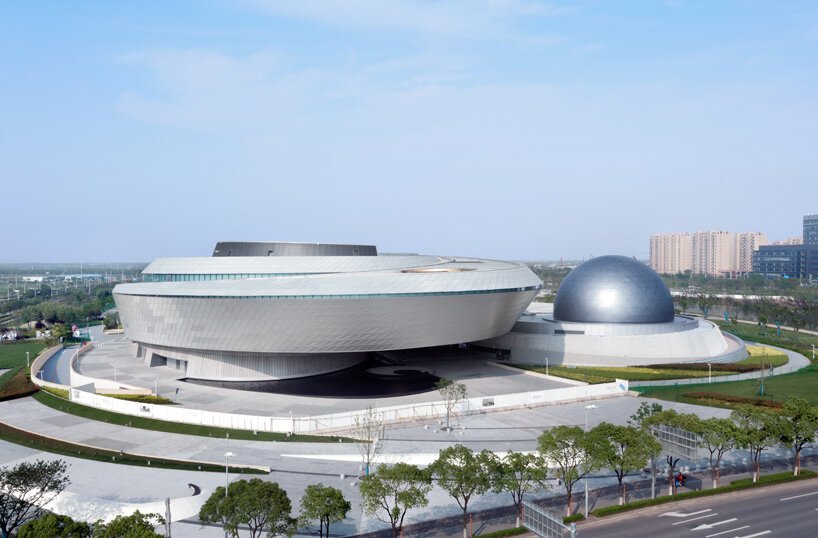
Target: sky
512	129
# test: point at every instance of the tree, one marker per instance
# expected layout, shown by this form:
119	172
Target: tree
136	525
259	504
325	504
566	449
463	474
452	394
519	474
705	302
623	449
717	436
645	411
111	321
369	432
799	421
55	526
393	490
25	488
758	429
59	330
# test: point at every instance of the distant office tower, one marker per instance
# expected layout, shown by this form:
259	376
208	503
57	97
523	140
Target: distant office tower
671	253
746	244
794	240
791	259
811	230
714	252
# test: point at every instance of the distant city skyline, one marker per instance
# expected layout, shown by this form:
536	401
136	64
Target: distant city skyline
507	129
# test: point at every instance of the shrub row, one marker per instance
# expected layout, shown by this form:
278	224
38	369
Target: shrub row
573	518
761	402
141	398
737	485
735	367
514	531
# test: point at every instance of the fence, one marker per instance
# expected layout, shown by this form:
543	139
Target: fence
545	523
340	422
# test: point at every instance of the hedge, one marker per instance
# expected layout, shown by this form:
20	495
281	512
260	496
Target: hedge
737	485
514	531
721	397
573	518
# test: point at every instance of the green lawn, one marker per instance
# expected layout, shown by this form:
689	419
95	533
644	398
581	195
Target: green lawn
14	353
800	342
101	415
802	383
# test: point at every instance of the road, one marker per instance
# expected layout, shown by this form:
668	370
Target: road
785	510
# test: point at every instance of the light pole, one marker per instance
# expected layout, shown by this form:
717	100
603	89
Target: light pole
155	387
587	407
813	352
709	373
227	456
28	363
546	365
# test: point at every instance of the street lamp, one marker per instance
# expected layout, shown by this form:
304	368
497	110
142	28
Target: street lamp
813	352
587	407
709	373
227	456
546	365
28	364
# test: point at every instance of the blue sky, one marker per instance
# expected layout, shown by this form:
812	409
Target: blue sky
501	128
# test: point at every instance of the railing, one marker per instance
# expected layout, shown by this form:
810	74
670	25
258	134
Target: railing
342	422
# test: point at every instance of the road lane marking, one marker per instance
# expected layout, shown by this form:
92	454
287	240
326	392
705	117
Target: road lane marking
694	519
705	526
799	496
725	532
756	534
680	514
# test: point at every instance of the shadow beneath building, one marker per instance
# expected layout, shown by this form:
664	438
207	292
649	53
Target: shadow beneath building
370	379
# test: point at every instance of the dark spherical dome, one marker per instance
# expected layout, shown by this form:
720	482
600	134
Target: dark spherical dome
613	289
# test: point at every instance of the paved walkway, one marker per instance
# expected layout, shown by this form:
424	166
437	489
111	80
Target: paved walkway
296	465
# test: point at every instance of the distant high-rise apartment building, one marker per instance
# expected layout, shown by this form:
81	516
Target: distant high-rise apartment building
746	244
811	230
671	253
712	253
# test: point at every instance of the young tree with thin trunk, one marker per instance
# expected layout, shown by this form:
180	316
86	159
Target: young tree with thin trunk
623	449
369	432
324	504
717	436
25	488
567	453
463	474
519	474
799	421
393	490
452	393
758	429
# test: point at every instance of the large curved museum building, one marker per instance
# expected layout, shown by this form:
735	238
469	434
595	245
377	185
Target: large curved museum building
256	311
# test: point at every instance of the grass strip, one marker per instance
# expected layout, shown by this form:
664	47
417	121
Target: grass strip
144	423
65	448
738	485
514	531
